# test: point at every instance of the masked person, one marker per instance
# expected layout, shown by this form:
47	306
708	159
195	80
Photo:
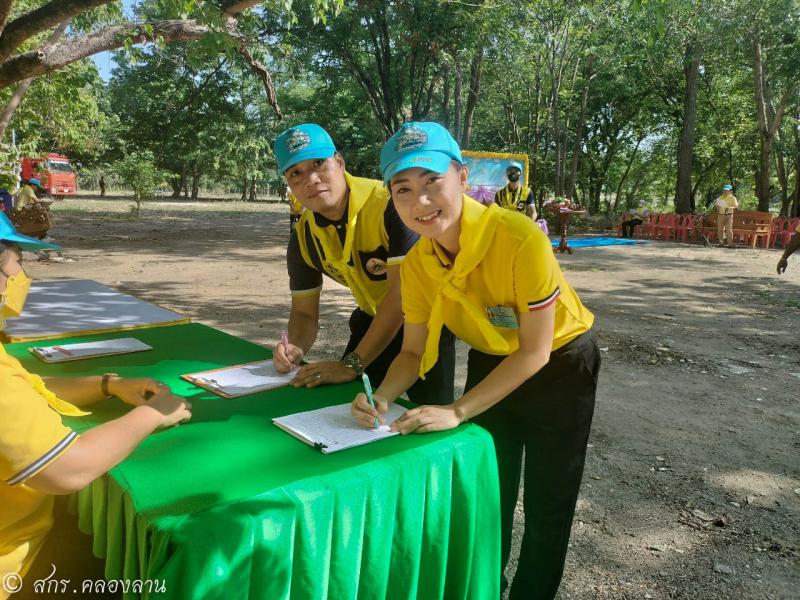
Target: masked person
350	232
39	455
490	276
514	196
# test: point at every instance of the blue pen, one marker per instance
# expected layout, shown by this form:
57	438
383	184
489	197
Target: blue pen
368	390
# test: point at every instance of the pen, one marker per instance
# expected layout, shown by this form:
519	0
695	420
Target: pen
368	390
62	350
285	342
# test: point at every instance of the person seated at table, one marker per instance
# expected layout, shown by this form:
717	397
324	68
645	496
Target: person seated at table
27	194
636	217
491	277
351	233
39	455
792	247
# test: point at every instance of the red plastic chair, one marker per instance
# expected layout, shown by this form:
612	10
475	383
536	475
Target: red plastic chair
778	227
786	235
665	229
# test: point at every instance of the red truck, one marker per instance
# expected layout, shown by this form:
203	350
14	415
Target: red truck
54	172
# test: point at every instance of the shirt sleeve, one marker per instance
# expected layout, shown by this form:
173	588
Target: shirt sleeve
32	435
303	279
401	238
536	273
415	308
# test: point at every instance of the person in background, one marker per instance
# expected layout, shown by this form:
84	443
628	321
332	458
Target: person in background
40	456
726	205
637	217
791	248
513	196
27	194
102	186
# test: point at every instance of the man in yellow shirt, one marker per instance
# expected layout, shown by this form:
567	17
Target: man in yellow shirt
351	233
490	276
726	205
791	248
514	196
40	456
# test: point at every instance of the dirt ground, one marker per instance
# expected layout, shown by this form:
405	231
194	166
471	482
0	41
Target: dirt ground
692	482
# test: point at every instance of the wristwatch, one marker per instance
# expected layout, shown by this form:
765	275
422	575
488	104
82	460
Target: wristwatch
104	384
353	361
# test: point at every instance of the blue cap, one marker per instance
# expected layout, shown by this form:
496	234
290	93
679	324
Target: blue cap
426	145
9	234
308	141
35	182
727	187
514	165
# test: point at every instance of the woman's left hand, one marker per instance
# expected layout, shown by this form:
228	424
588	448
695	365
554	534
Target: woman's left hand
135	391
427	418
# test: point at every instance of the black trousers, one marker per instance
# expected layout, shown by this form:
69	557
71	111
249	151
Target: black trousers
627	227
438	385
548	417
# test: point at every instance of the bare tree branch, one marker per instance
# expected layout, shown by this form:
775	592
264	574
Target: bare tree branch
265	77
41	19
5	10
42	60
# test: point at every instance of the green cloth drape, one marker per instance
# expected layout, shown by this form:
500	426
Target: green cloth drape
229	506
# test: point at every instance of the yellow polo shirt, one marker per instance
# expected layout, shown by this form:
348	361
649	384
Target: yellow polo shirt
517	271
726	204
26	196
32	436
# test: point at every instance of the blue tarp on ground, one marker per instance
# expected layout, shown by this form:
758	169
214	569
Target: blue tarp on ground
600	240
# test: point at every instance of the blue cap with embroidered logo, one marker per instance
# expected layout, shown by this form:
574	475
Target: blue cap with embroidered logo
426	145
308	141
514	165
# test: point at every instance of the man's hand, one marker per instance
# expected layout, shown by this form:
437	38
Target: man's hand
286	358
428	418
172	409
135	391
365	414
328	371
782	265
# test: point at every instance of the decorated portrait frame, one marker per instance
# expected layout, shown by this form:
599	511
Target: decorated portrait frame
487	172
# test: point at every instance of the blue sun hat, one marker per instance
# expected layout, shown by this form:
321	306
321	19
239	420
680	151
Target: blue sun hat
308	141
9	234
727	187
514	165
426	145
35	182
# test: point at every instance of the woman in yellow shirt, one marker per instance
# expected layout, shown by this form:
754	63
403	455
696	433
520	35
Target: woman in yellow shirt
39	455
490	276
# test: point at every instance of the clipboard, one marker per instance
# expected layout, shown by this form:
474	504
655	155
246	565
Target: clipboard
240	380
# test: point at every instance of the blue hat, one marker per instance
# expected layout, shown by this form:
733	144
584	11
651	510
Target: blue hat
35	182
514	165
426	145
9	234
302	142
727	187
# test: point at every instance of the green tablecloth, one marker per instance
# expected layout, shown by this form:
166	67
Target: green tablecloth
228	506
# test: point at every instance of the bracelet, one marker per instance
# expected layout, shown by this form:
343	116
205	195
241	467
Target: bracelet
104	384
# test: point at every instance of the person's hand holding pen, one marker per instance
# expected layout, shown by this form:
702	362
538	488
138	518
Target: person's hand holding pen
369	414
286	357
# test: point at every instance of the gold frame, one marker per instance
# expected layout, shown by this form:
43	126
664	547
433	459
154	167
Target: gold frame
523	158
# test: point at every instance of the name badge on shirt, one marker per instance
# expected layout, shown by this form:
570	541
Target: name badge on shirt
502	316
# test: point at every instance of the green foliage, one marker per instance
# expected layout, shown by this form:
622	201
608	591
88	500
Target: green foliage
138	171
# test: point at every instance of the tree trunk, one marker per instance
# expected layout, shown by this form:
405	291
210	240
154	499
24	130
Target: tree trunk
446	95
252	196
767	128
472	96
796	205
625	174
185	181
573	169
176	182
195	181
783	178
244	190
683	188
457	103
